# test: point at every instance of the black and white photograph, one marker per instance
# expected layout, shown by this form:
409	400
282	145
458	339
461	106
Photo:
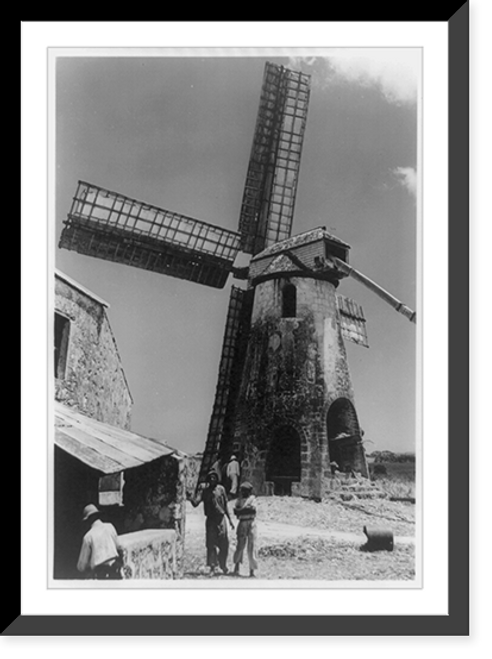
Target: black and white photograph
235	253
245	333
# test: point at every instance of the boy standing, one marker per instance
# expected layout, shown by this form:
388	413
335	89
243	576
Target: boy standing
245	511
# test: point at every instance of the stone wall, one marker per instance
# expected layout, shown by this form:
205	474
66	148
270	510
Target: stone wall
94	382
295	369
150	554
154	498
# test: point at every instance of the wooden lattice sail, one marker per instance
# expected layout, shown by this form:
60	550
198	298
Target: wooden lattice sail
267	208
219	439
113	227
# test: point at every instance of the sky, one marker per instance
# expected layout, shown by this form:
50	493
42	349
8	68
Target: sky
176	132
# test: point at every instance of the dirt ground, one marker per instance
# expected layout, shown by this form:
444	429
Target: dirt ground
302	539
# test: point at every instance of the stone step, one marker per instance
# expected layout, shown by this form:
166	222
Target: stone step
349	488
354	488
369	494
351	482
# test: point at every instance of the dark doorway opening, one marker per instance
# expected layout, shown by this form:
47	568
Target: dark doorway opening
76	485
283	464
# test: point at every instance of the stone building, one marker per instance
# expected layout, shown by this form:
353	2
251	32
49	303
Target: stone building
295	411
138	483
89	376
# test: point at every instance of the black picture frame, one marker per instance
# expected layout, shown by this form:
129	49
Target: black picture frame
456	622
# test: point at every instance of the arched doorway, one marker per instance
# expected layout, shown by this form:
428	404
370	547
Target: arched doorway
344	437
283	464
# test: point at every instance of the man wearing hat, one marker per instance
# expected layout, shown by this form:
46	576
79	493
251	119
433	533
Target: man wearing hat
100	552
214	499
233	472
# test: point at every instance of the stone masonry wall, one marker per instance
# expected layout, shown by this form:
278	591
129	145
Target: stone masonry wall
149	554
154	497
295	368
94	381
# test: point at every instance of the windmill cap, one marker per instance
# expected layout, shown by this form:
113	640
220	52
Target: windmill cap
88	511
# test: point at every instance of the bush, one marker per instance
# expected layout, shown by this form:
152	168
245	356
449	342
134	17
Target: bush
397	488
397	479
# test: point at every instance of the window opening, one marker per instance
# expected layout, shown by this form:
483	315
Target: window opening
62	330
289	301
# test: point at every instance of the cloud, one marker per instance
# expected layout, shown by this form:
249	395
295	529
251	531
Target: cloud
395	71
406	177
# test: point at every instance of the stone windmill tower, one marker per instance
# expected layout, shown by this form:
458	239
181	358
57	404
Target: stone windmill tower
296	407
284	398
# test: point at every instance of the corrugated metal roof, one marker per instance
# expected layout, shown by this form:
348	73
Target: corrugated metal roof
102	446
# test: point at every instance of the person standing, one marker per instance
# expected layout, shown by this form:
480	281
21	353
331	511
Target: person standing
233	473
100	554
214	498
245	511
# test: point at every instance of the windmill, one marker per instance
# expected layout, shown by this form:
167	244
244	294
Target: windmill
284	399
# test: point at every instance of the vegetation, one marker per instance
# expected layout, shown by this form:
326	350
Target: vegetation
389	456
395	477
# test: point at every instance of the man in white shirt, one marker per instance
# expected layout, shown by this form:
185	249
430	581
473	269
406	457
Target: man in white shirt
233	472
100	552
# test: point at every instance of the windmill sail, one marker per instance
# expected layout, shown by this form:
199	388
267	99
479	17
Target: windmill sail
271	183
219	439
113	227
352	321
